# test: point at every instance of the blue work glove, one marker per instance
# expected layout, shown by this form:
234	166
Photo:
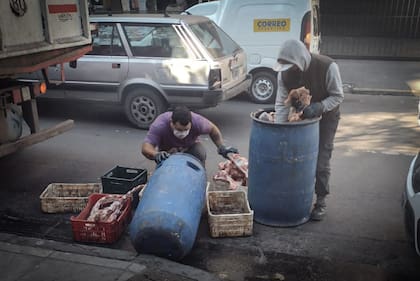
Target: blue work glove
225	150
313	110
161	156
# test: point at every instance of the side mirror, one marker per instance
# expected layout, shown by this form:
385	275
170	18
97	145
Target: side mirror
73	64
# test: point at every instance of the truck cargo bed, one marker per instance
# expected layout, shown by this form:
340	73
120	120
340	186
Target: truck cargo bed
36	34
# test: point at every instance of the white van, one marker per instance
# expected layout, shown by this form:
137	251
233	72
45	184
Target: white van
260	27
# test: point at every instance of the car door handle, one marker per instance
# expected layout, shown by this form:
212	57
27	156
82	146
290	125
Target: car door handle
185	66
116	65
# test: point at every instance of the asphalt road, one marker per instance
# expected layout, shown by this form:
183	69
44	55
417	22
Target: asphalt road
362	237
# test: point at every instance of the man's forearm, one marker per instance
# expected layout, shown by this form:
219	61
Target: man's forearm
148	151
281	109
216	136
334	88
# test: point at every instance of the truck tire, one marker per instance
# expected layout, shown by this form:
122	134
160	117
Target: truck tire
263	87
14	121
142	105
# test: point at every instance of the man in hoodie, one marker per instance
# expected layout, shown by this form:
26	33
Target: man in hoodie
298	67
178	131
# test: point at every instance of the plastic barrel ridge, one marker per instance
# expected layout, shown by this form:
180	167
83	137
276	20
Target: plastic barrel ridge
281	166
166	220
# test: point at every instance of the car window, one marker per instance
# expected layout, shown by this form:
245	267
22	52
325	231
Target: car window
154	41
106	41
216	41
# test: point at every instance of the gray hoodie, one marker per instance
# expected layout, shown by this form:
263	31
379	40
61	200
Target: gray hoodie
294	51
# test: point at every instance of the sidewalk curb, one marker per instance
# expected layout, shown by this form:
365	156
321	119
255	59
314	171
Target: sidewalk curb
350	89
94	255
383	92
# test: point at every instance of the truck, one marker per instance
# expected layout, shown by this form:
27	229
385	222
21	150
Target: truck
260	27
33	36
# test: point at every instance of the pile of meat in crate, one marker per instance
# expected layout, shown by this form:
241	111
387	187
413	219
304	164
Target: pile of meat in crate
105	209
229	213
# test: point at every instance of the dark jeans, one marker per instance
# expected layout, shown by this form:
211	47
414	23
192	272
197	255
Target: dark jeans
327	129
199	151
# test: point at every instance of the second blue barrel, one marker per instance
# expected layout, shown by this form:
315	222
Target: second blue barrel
166	220
282	165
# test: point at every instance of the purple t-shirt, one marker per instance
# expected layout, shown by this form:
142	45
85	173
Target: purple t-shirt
161	134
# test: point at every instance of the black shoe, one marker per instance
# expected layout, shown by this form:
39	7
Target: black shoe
319	212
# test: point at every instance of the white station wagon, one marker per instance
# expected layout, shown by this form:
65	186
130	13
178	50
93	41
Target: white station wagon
150	63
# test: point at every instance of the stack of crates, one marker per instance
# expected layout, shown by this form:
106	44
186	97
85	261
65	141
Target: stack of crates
120	180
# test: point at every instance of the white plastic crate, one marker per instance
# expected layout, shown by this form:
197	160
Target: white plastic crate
67	197
229	214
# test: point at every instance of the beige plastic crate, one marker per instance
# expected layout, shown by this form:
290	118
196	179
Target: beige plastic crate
67	197
229	214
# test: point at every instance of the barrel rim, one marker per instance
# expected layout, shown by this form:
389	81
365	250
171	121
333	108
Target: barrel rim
270	109
188	155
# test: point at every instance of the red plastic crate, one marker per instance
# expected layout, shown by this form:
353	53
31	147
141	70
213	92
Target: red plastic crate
99	232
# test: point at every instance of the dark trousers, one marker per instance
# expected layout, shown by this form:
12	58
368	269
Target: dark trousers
199	151
327	129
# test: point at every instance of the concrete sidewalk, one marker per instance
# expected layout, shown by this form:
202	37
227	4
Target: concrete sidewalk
24	258
378	76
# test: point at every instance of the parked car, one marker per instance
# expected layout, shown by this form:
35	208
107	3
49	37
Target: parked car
149	63
260	27
411	203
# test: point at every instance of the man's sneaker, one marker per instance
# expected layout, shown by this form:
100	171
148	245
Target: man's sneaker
319	212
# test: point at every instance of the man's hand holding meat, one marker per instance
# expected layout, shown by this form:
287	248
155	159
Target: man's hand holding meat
225	150
313	110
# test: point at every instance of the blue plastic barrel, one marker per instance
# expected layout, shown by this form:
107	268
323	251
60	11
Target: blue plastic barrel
166	220
282	165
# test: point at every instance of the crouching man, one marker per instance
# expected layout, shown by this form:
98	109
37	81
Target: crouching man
179	131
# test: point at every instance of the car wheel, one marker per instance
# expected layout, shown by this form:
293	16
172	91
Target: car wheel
142	106
263	87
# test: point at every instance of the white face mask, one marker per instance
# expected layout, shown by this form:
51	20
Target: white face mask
181	134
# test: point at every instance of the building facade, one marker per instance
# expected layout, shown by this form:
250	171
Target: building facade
384	29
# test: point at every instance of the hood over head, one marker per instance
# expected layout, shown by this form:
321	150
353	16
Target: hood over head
294	52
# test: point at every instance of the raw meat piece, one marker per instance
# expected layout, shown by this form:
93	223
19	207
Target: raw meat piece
297	99
229	172
267	116
107	208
